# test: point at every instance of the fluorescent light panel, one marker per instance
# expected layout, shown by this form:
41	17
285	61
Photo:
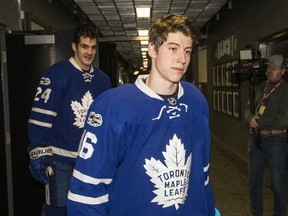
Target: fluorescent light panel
143	32
143	42
143	12
145	64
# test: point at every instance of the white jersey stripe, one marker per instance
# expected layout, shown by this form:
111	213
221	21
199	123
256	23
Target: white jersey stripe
88	200
207	181
206	168
40	123
87	179
44	111
64	152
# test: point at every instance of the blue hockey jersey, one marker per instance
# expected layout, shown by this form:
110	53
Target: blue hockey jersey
142	155
60	106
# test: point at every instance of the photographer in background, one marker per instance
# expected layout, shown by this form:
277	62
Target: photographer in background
267	141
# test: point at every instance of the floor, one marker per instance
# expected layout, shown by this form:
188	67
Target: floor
231	188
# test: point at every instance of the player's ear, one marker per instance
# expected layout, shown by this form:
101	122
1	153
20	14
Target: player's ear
283	71
74	46
151	50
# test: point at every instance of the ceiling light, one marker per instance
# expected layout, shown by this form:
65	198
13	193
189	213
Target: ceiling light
144	49
143	12
144	42
145	64
143	32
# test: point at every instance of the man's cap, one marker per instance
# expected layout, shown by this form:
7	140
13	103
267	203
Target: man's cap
277	62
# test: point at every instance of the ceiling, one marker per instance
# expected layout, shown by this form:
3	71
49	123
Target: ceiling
117	22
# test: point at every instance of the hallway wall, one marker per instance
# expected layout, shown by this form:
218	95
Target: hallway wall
11	7
245	23
39	11
28	195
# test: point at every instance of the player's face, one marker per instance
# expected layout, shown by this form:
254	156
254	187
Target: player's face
274	74
172	59
85	52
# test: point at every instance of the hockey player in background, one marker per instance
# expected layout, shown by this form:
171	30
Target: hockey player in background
145	149
56	122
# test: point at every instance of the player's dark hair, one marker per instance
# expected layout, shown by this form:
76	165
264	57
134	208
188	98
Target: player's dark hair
85	31
159	31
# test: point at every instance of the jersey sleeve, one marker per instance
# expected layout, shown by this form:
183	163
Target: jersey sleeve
44	108
101	149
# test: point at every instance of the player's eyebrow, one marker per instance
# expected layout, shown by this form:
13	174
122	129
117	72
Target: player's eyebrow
176	44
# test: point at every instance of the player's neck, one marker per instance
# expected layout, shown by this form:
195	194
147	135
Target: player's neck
161	87
86	70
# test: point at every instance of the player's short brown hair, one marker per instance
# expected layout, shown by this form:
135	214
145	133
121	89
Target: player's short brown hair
159	31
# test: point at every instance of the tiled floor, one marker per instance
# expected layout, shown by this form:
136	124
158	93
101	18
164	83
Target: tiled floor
231	188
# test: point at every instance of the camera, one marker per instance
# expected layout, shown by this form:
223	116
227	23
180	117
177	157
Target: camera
251	68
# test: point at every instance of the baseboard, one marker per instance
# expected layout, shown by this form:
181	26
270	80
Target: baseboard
232	156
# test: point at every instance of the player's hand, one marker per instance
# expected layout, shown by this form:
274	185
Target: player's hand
41	164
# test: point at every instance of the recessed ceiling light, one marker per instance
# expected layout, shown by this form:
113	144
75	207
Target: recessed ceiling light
143	12
144	42
143	32
145	64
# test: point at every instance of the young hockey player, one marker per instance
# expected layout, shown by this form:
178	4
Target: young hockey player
145	149
56	122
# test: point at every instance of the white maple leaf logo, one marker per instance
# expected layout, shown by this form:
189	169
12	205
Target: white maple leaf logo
171	180
80	109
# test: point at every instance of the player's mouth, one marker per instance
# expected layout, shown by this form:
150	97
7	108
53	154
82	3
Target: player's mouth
89	58
179	69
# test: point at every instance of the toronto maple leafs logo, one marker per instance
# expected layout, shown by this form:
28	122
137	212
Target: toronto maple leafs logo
80	109
172	178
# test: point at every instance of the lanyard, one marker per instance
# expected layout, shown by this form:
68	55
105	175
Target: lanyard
266	95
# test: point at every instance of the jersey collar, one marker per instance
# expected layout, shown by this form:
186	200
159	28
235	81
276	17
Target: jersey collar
146	90
73	62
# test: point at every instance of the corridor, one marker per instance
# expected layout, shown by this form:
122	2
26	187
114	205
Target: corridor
231	188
